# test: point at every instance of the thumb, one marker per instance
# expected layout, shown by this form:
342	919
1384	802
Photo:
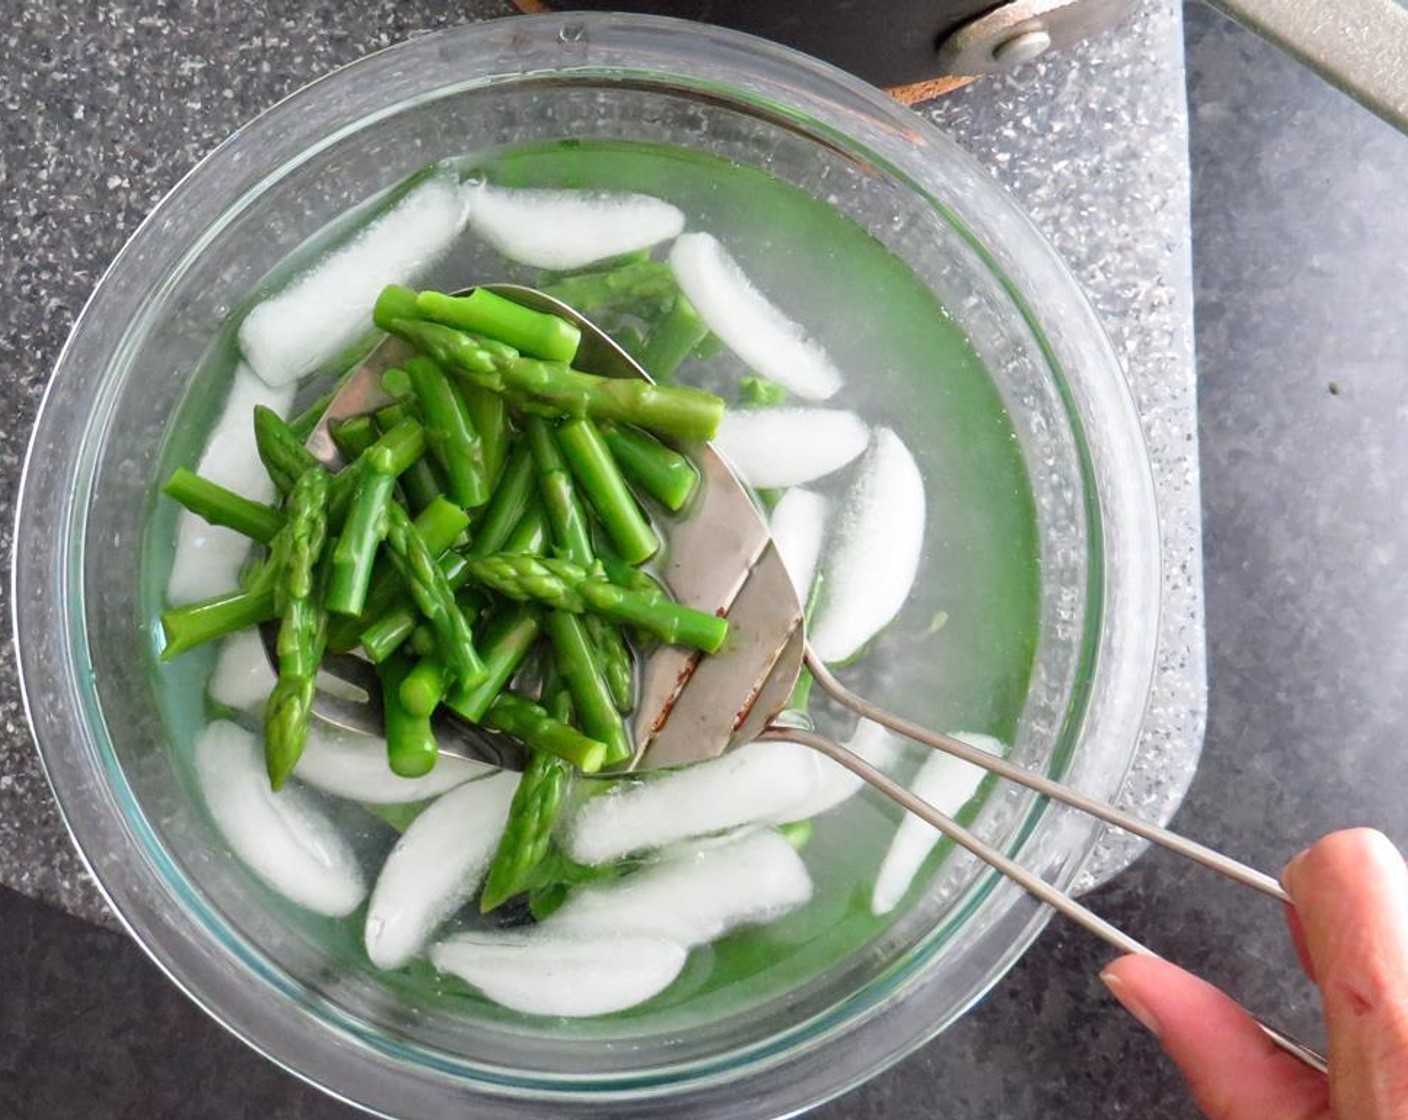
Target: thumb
1351	895
1233	1070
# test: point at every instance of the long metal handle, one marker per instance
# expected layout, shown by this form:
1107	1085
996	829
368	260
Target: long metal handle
1028	880
1361	46
1223	864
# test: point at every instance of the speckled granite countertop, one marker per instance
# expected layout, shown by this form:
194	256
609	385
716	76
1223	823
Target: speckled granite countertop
1093	143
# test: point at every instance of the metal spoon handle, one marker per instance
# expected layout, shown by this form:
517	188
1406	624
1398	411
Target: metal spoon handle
1200	853
1028	880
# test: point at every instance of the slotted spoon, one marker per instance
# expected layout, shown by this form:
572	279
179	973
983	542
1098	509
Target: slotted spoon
719	557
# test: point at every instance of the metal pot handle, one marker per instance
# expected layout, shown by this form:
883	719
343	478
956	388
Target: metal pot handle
1361	46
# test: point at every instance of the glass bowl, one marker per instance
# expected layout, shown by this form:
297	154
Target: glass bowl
295	988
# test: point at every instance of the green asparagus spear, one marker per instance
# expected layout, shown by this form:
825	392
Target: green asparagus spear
623	575
488	411
556	875
302	631
401	446
545	901
188	626
796	833
655	613
396	382
422	642
687	414
578	664
542	579
558	703
800	699
510	501
388	633
394	302
439	524
219	506
507	640
419	482
363	530
423	687
801	695
394	625
566	516
567	586
450	433
537	803
601	481
557	388
303	424
433	597
643	287
756	390
664	474
672	339
410	742
550	682
531	725
389	415
629	338
709	346
184	628
548	276
530	535
280	450
399	817
615	660
353	435
285	458
535	333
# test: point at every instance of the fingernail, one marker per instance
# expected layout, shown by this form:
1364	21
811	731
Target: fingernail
1131	1002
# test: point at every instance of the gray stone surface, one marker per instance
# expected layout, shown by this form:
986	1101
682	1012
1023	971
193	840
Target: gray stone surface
1299	247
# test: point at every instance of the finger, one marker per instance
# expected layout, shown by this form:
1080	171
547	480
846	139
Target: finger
1293	923
1351	894
1233	1070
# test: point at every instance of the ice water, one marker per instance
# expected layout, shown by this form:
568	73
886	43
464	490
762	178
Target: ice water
958	657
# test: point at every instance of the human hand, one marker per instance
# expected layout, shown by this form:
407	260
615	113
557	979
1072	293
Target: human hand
1350	927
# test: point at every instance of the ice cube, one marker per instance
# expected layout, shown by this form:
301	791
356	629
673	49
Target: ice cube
564	229
692	896
798	526
208	557
776	447
758	782
435	867
945	782
869	570
539	973
323	312
748	322
283	837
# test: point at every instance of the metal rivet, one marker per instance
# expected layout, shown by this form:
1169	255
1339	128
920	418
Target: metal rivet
1022	48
